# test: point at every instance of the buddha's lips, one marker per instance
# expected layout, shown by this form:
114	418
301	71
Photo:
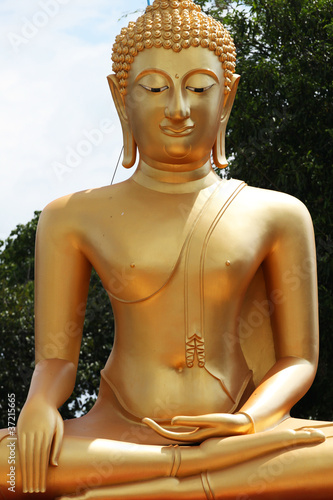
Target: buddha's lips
177	132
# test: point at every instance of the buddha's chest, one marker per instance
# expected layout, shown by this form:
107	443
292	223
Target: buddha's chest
137	253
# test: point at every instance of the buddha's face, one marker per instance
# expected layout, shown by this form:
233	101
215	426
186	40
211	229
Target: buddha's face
174	105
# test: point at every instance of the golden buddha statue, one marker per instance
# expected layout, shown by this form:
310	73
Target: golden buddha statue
214	343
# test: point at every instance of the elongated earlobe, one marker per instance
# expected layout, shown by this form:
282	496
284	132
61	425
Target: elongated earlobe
129	142
219	155
129	156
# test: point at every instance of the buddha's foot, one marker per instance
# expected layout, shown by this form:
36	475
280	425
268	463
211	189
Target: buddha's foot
81	496
96	493
306	436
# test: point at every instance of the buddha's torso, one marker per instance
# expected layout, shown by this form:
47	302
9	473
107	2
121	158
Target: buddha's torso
176	268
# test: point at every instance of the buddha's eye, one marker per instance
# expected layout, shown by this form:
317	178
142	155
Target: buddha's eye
154	89
199	90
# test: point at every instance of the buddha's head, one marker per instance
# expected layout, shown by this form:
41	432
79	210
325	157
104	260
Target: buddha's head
174	75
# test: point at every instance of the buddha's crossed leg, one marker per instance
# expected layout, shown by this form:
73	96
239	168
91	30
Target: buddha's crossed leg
291	470
93	465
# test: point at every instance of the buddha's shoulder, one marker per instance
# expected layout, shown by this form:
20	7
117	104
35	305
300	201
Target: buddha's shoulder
277	208
272	201
74	210
88	199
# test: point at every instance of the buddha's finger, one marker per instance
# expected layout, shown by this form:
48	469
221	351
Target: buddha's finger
194	421
164	432
193	436
30	461
37	461
23	458
196	436
44	460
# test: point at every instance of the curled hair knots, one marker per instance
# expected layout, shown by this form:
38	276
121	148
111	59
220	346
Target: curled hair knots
174	25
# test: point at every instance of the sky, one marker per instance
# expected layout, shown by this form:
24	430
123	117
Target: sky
59	131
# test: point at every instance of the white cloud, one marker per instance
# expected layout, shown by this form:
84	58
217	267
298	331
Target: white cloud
53	97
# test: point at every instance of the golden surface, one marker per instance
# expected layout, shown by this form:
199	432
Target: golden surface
213	288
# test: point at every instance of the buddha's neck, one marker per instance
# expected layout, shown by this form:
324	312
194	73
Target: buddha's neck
171	181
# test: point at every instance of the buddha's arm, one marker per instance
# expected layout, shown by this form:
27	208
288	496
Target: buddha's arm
62	280
290	269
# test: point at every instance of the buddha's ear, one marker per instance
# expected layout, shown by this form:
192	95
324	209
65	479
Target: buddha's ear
129	142
219	146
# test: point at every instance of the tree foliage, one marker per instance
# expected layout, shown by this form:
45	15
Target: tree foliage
280	137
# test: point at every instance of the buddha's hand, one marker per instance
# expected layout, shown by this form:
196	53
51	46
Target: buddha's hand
202	427
40	431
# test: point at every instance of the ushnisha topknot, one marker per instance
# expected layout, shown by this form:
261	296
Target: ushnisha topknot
176	25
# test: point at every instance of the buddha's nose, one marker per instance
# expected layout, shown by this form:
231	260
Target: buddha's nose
177	108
